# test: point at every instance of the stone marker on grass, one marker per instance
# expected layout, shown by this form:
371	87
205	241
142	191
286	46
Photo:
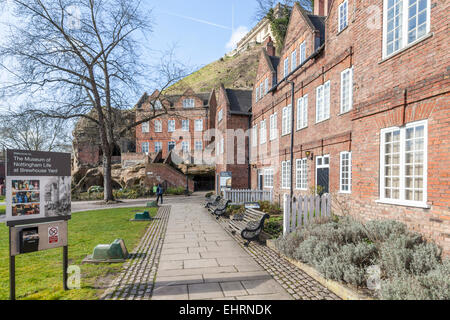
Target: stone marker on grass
142	216
108	253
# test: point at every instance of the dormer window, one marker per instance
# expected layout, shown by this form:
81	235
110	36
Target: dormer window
188	103
302	52
157	105
343	16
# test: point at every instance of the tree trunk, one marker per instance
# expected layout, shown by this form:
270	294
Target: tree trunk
107	180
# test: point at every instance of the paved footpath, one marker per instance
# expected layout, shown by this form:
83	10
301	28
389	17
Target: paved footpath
187	255
199	260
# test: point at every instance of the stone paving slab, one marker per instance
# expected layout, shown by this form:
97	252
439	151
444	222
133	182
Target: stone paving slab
215	265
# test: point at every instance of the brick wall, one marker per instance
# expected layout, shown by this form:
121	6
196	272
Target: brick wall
159	173
379	101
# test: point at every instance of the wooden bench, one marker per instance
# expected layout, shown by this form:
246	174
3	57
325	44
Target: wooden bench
249	224
212	201
219	209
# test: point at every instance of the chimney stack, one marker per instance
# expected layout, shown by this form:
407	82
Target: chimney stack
321	7
270	48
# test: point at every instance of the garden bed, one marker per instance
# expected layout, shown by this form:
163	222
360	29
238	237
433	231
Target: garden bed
382	256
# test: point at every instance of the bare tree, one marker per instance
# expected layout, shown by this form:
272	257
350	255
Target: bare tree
29	132
81	58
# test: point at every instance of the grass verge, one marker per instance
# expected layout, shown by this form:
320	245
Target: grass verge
39	276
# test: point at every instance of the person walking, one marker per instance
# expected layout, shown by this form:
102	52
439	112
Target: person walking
159	193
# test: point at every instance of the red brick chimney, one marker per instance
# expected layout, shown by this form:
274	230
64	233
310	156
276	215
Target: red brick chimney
270	47
321	7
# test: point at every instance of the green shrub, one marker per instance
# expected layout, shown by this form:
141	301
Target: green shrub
274	226
270	208
411	268
176	191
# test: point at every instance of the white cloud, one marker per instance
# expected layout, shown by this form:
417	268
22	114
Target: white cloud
237	35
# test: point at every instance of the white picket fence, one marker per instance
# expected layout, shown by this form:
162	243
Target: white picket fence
246	195
305	210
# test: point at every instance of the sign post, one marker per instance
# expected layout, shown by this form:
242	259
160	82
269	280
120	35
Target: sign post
38	205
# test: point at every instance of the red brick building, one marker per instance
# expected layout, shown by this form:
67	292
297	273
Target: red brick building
189	117
231	137
370	117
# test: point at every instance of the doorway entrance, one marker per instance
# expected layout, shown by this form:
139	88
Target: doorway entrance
323	174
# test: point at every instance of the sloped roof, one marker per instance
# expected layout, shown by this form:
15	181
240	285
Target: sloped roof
319	24
240	100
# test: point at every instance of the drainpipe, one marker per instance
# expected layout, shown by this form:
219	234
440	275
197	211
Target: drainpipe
292	136
250	119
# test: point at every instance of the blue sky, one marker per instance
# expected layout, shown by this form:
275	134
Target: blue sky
199	43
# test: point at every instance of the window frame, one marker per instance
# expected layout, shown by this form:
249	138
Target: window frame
184	121
326	106
302	110
255	136
340	27
301	171
404	44
273	134
302	50
190	105
160	145
286	126
293	60
402	201
158	126
148	147
266	179
341	172
286	67
145	127
286	181
350	90
171	143
263	132
198	128
171	128
196	143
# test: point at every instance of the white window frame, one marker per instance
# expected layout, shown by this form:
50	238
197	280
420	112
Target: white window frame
145	147
286	123
343	13
347	106
285	174
198	145
261	91
157	105
185	147
294	60
158	126
185	125
302	52
146	127
220	115
302	112
257	94
286	67
198	125
266	85
402	201
263	132
341	172
189	103
222	146
268	178
323	102
255	136
404	42
273	127
301	174
158	146
171	125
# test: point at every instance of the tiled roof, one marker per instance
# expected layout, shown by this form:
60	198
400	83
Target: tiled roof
240	100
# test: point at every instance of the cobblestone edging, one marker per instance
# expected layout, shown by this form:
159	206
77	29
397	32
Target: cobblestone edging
295	281
136	280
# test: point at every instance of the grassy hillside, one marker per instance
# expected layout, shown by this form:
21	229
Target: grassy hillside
236	72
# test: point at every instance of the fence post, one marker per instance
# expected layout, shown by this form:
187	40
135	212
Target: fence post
286	215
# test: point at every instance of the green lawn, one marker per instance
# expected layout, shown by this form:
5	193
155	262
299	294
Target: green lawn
2	198
2	210
39	276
